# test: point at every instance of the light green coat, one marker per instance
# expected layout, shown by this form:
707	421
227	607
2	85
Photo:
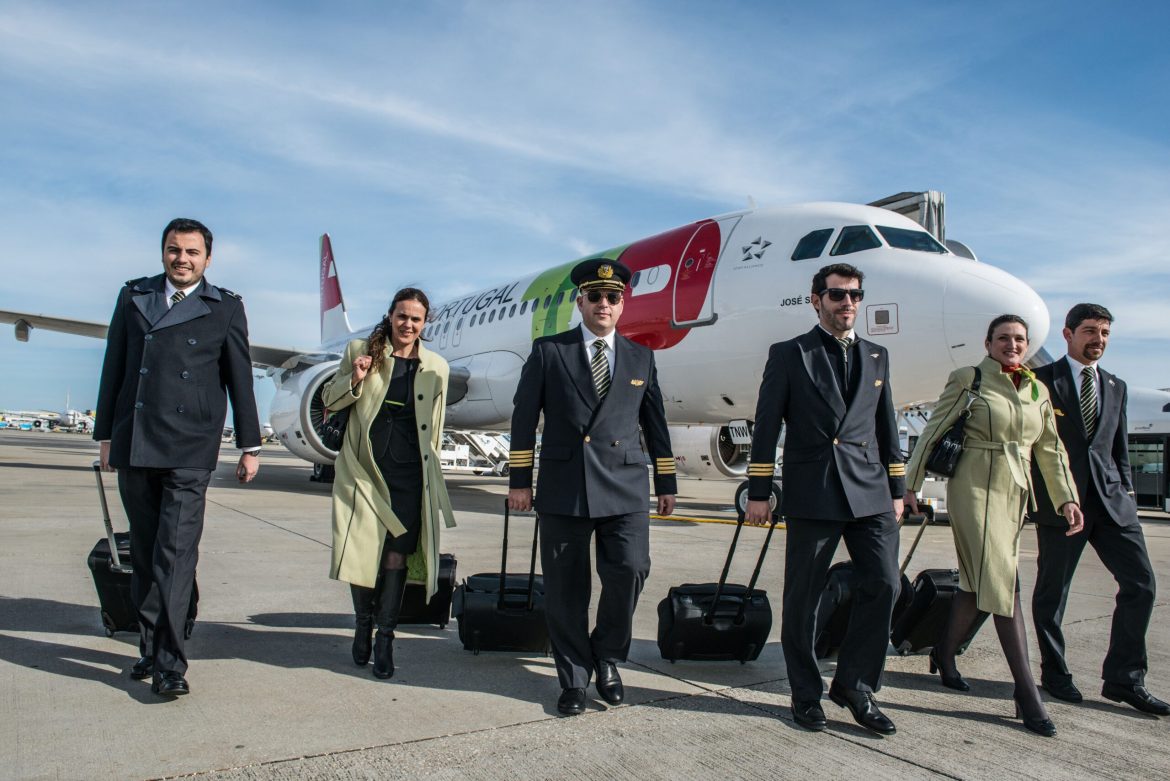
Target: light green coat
361	499
989	494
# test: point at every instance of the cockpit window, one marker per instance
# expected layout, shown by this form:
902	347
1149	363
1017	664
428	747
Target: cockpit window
902	238
855	238
812	245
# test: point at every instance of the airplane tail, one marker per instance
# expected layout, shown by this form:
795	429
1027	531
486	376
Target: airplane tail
334	320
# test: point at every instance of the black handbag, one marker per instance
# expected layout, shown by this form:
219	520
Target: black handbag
333	428
944	456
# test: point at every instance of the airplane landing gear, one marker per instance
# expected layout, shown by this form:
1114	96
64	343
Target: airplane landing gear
741	498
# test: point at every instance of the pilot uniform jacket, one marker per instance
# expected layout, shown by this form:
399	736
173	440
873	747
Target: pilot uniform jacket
841	462
1102	463
362	514
591	460
1005	435
161	403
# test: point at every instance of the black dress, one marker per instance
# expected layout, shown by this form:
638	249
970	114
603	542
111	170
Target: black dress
394	440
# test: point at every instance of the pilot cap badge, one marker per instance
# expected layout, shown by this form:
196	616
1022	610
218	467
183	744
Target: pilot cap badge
605	272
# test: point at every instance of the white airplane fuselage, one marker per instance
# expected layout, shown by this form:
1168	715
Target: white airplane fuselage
710	298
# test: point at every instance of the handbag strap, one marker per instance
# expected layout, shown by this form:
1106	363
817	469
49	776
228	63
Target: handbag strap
972	394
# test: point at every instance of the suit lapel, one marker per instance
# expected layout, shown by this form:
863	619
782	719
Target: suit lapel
573	355
820	371
150	300
1068	396
190	308
1110	402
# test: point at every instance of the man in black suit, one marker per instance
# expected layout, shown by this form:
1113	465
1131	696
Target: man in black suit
843	477
1089	403
175	344
595	388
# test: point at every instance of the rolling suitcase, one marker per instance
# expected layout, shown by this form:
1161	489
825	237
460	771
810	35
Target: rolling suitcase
416	609
837	599
109	562
717	621
498	611
924	620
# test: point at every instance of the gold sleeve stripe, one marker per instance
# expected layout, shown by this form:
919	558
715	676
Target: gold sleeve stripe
515	453
897	470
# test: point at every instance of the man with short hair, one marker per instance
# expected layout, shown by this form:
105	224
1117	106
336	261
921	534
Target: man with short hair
596	388
843	478
1089	403
175	344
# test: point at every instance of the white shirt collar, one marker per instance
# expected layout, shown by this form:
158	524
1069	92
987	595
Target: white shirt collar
589	338
1077	367
170	289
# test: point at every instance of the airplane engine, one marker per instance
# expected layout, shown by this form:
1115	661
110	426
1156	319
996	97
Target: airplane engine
707	452
297	413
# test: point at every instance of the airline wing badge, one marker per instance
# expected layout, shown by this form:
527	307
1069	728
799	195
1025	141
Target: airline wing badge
637	382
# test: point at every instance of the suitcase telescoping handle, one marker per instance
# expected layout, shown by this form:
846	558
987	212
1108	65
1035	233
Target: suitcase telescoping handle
708	617
116	564
926	519
531	563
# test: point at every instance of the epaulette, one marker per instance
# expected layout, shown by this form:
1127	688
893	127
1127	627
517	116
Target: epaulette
232	293
133	282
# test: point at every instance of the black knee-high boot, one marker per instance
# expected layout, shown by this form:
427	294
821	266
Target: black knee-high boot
363	611
390	592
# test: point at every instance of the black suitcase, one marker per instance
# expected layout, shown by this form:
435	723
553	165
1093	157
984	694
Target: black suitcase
923	622
109	562
837	599
416	609
498	611
717	621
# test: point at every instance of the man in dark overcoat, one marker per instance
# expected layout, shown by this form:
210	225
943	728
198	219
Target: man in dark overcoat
595	388
1089	403
176	348
843	477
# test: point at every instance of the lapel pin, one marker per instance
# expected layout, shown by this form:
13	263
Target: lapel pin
877	383
637	382
873	355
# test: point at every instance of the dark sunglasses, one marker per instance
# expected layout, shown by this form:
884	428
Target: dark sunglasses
839	293
614	297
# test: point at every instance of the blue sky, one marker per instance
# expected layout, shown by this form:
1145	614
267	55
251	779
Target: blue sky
456	144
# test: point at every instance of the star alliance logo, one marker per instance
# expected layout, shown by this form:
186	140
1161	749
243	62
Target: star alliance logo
755	249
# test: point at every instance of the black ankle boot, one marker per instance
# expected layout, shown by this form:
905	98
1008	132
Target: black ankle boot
391	587
363	610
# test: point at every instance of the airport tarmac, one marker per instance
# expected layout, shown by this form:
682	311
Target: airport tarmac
276	696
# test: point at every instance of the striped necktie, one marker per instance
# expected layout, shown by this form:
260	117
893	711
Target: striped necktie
600	366
177	297
1089	401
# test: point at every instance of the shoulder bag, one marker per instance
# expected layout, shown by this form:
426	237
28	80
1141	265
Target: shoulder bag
944	456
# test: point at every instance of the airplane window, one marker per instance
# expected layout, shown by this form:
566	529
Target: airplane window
560	297
855	238
459	324
512	311
635	279
523	306
902	238
447	326
812	245
482	317
573	295
492	317
547	301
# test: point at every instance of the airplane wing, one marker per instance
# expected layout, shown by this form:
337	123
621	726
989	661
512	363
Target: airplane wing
263	356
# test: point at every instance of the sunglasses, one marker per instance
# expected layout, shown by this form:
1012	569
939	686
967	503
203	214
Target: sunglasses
614	297
839	293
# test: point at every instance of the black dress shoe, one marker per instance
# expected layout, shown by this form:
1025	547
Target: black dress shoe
864	708
609	683
170	684
1043	727
809	715
143	668
1062	690
1137	696
571	702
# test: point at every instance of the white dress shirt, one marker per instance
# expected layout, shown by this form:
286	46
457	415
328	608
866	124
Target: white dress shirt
170	290
1077	367
589	338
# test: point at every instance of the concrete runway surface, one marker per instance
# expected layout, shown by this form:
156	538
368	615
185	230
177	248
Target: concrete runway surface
276	696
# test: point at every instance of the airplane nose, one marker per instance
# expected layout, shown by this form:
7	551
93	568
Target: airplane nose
977	295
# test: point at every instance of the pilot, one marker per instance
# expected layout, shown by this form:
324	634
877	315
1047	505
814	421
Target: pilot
843	479
176	349
595	388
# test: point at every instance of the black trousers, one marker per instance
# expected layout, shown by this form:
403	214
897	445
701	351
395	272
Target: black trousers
623	562
1122	549
165	509
872	543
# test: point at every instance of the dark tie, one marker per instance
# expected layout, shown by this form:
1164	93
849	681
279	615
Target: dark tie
177	297
1089	401
844	375
600	366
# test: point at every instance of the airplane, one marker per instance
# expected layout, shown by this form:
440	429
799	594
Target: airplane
709	297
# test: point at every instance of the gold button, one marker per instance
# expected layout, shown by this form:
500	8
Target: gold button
586	437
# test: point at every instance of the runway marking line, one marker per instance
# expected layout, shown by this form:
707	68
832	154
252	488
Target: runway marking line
692	519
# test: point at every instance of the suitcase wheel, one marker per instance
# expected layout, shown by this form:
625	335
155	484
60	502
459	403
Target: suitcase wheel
475	643
108	623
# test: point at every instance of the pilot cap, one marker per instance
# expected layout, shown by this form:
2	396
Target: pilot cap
600	274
